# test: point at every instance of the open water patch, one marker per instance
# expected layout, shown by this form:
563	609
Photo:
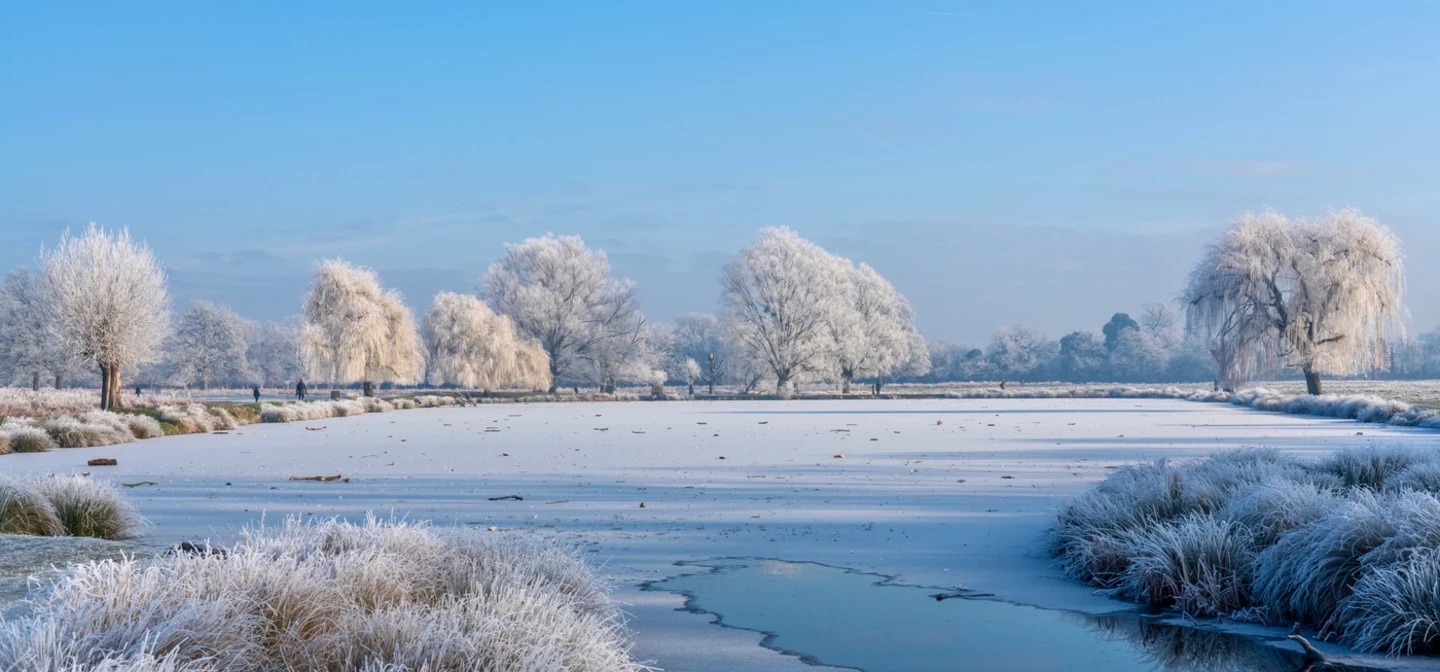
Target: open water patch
836	617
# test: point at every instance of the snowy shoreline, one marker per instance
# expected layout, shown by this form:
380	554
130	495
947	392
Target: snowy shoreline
99	428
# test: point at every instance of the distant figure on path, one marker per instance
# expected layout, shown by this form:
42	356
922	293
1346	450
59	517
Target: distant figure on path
300	390
137	390
257	394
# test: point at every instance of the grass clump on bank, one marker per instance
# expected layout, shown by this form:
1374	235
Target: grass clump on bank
25	511
57	506
331	596
105	428
18	436
1346	545
325	408
90	508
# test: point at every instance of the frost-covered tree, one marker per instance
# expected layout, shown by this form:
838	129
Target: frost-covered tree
1082	356
743	366
699	338
1158	320
1233	331
356	332
209	343
1138	356
1191	360
876	338
1116	326
690	371
641	360
560	293
1018	351
472	346
950	361
274	353
28	346
781	295
654	359
107	302
1320	295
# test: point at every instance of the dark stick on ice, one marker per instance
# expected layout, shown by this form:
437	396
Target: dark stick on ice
1312	654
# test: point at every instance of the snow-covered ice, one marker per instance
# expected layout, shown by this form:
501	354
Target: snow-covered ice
940	493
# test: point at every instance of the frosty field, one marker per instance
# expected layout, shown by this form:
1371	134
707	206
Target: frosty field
936	493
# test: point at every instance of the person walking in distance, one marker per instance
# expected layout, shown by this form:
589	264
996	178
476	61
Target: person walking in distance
300	390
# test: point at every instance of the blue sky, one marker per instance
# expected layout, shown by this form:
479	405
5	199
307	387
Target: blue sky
1001	162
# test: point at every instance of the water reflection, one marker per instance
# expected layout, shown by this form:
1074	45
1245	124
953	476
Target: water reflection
1173	648
841	618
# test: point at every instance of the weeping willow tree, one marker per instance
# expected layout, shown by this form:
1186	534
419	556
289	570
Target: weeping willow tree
471	346
355	331
1319	295
1232	331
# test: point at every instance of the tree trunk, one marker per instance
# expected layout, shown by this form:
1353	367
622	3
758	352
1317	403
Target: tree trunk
35	384
115	386
712	385
844	383
104	387
59	381
1312	382
692	388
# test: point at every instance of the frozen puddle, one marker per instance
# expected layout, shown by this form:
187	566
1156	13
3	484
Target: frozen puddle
836	617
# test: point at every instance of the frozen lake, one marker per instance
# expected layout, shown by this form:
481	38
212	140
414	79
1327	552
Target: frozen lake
937	493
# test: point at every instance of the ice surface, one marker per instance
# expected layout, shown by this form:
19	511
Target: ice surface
937	492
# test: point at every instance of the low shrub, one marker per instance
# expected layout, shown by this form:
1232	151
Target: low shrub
143	426
1197	564
376	405
333	596
1276	506
318	410
224	419
22	438
90	508
1396	608
436	400
1085	535
1213	482
1371	466
23	510
1346	545
246	414
1310	569
196	418
92	429
1423	477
